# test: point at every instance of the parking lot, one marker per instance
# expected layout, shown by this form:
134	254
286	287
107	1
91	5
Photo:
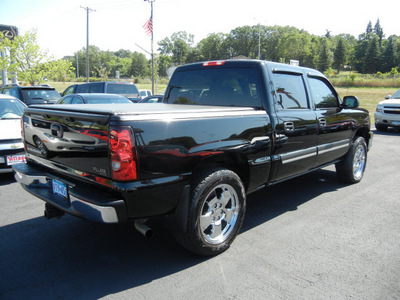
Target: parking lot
308	238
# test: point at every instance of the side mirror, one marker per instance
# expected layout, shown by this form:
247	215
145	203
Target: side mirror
388	97
350	102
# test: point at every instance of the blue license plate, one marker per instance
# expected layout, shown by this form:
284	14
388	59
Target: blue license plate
59	188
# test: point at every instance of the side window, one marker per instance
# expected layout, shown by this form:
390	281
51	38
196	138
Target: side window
83	88
77	100
322	94
96	88
289	91
66	100
69	90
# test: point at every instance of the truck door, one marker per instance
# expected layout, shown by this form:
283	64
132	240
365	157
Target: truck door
335	124
296	126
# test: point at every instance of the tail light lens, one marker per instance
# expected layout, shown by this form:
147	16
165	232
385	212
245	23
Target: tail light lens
122	153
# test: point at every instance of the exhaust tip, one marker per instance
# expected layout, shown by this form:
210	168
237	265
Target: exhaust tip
145	230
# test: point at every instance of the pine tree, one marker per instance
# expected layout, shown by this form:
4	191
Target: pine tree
339	56
372	56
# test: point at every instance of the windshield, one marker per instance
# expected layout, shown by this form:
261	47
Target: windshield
41	94
226	87
397	95
122	89
11	109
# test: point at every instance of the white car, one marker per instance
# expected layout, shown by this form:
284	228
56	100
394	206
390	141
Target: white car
388	112
144	93
11	146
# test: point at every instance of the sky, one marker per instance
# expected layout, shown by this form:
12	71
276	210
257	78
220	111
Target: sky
118	24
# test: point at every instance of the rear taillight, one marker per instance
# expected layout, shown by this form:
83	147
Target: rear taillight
122	153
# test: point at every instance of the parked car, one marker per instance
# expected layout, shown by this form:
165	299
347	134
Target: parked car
127	89
95	98
152	99
40	94
144	93
11	146
388	112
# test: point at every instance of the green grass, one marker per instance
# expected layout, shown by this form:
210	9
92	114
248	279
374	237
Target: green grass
368	97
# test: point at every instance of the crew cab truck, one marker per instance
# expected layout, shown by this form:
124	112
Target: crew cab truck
225	129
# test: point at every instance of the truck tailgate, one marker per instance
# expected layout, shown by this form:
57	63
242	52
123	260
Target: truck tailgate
74	141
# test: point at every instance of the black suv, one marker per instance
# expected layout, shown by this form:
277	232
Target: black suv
40	94
127	89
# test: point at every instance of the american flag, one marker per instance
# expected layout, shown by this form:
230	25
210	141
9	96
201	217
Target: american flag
148	26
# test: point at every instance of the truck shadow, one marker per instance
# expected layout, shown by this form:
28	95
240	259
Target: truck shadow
72	258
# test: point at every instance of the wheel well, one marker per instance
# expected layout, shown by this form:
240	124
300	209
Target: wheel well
363	132
232	161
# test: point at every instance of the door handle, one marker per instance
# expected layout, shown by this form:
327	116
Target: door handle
289	126
322	122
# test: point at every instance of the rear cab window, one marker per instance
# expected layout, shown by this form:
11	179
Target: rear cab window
215	86
289	91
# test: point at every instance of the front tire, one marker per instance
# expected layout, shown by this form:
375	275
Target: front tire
216	212
351	168
381	127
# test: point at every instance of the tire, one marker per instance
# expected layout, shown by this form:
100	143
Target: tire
351	168
381	127
216	212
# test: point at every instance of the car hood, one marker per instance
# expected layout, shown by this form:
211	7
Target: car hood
10	129
390	102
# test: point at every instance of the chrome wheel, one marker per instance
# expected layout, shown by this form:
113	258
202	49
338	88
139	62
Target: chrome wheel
359	161
219	214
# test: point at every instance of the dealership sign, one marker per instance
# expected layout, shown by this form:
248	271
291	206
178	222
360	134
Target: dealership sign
9	32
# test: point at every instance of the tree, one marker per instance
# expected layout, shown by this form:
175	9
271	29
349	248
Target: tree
139	67
179	46
30	63
388	58
379	32
324	62
372	56
339	56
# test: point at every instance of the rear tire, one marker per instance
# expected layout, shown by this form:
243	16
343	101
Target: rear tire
351	168
216	212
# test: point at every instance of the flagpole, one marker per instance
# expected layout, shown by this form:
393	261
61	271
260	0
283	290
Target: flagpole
152	52
149	29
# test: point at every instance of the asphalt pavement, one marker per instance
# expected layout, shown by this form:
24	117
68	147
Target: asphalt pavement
308	238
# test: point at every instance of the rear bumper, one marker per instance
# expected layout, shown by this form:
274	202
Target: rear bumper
84	202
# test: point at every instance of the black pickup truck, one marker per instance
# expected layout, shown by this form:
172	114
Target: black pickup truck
225	129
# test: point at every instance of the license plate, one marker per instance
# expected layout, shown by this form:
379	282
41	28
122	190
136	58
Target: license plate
396	123
59	188
15	159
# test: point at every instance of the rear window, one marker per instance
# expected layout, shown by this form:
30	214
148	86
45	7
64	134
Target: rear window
222	86
112	99
37	94
122	89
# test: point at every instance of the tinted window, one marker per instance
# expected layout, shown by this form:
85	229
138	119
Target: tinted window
322	94
289	91
127	89
96	88
83	88
226	87
40	94
69	90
